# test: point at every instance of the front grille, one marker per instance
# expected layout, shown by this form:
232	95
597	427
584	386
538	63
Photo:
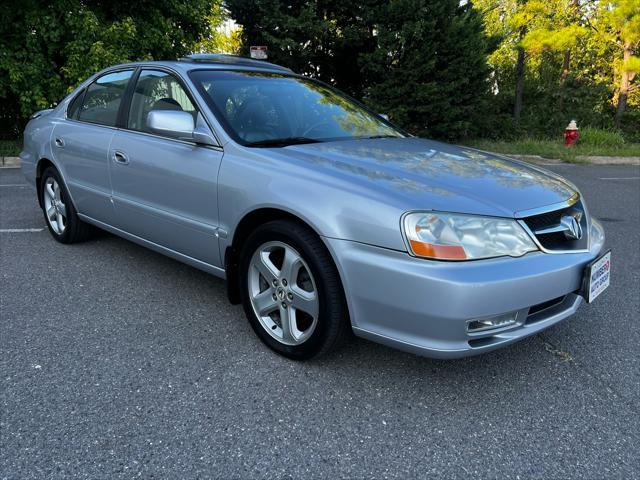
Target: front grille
545	305
547	219
559	240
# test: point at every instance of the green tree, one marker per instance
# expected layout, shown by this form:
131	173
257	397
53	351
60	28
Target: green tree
620	26
323	39
223	36
557	29
533	31
48	46
428	70
561	59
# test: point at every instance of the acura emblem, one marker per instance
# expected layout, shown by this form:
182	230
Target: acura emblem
572	227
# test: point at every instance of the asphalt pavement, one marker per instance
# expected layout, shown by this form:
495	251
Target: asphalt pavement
117	362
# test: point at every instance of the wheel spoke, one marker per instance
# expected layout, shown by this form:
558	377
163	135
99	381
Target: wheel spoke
56	190
59	221
51	213
305	301
287	329
266	268
62	208
265	303
49	190
290	265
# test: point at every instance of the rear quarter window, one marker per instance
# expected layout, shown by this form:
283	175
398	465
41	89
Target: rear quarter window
74	106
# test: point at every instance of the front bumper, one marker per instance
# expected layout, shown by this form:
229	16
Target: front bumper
423	306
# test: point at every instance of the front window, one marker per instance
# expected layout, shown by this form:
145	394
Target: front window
157	90
269	109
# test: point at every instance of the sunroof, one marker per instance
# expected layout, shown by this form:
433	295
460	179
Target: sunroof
231	60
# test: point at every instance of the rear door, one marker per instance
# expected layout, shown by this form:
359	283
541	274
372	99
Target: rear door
81	143
165	190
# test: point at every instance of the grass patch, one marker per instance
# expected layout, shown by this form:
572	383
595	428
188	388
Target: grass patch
598	137
592	142
10	148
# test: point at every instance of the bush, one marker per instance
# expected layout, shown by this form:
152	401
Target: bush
598	137
9	147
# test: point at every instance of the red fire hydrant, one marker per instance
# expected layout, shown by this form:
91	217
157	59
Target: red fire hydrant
571	134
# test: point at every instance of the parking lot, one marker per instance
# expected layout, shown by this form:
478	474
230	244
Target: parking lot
119	362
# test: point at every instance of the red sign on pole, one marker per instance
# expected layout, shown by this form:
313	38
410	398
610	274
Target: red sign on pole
258	52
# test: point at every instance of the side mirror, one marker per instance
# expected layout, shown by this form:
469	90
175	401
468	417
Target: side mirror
385	116
180	125
171	123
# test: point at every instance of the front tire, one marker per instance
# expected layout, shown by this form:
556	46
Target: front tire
291	291
59	213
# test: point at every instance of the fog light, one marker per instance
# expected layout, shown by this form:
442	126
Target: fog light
498	321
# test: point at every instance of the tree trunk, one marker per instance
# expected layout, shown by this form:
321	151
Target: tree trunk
623	93
517	105
566	62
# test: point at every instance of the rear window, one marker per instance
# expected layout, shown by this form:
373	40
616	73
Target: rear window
103	97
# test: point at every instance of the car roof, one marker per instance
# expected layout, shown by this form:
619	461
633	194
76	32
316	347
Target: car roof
216	61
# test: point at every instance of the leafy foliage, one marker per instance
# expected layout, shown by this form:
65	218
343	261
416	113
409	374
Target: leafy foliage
323	39
429	69
574	61
48	47
223	36
440	68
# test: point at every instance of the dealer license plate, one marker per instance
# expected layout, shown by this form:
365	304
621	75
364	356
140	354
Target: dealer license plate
598	277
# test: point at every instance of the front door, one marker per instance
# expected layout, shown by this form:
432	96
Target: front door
165	190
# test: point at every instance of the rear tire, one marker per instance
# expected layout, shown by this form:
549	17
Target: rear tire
60	215
291	291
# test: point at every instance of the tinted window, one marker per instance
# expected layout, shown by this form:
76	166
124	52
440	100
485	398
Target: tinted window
262	108
103	97
74	106
157	90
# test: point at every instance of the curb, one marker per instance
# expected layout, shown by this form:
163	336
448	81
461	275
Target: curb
589	160
10	162
599	160
534	159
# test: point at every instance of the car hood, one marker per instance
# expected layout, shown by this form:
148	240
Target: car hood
423	174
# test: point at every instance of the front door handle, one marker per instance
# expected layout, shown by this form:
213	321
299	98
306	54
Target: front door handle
120	157
59	141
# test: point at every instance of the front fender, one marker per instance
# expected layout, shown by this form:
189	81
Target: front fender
332	207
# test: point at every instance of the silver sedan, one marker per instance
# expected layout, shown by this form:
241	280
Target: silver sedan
323	217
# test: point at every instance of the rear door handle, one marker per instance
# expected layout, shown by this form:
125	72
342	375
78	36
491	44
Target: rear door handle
59	142
120	157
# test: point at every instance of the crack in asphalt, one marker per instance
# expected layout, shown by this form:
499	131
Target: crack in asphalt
566	357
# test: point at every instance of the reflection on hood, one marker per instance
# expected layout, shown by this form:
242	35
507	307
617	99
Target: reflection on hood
435	175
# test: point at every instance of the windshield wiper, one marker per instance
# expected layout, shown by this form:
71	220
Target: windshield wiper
283	142
381	136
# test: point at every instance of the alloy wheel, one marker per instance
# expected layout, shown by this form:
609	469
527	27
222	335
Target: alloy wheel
54	207
283	293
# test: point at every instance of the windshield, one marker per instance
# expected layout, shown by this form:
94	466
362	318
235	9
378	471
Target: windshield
268	109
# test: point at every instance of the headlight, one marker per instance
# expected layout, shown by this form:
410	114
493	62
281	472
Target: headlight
448	236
